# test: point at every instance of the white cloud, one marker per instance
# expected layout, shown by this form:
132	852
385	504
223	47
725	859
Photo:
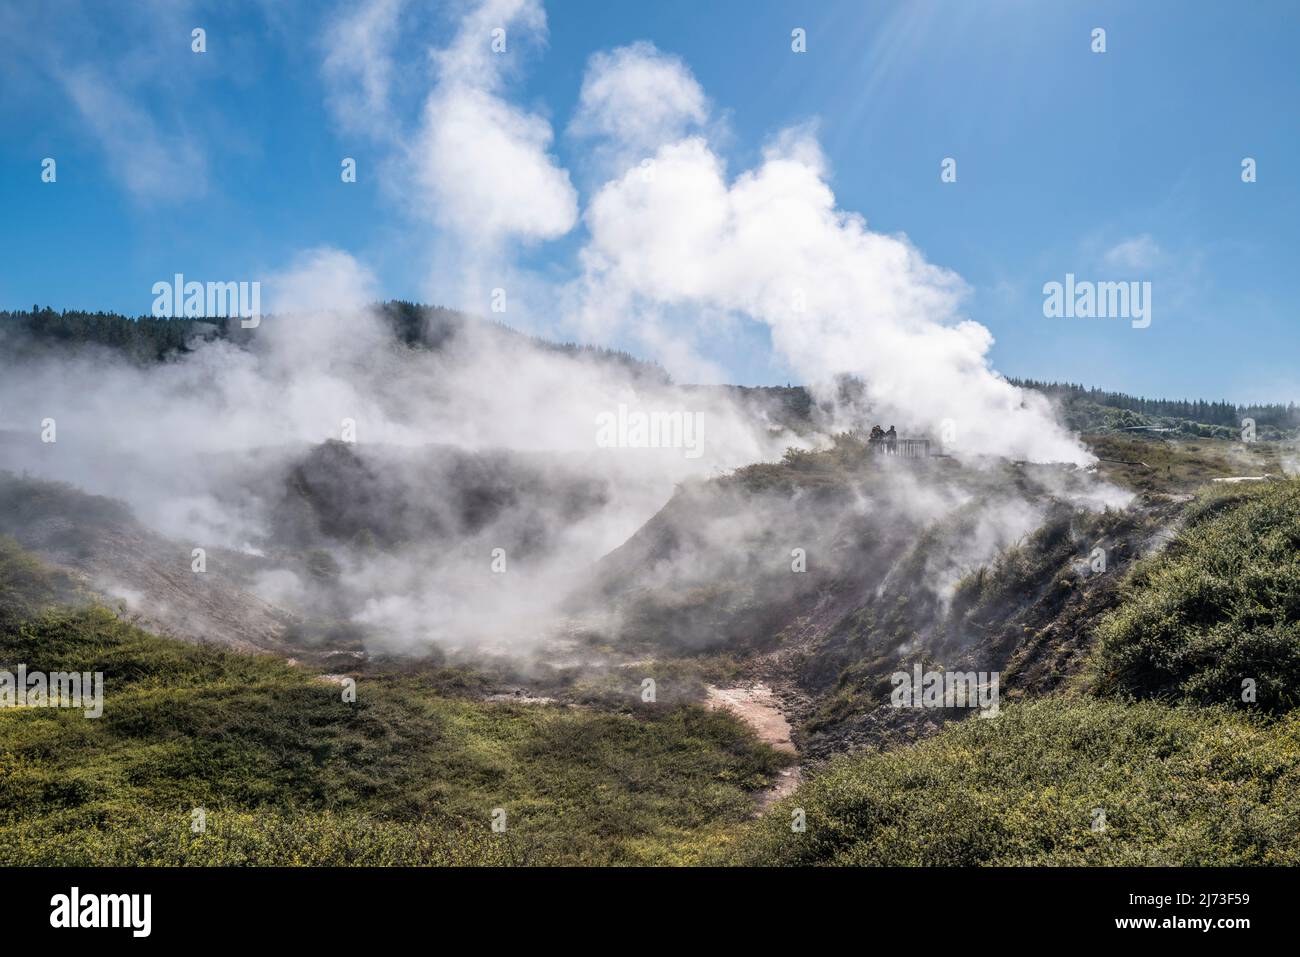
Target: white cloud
638	98
153	165
689	244
486	168
321	280
1137	252
358	65
838	298
469	58
483	164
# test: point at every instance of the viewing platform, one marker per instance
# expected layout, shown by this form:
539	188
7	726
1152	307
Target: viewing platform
902	448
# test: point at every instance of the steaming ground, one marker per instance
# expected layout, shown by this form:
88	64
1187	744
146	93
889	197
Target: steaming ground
473	511
477	521
487	442
476	498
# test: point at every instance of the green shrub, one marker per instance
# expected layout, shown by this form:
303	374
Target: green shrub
1220	606
289	773
1178	786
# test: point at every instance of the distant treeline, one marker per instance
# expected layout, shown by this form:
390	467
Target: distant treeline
1195	410
417	324
146	339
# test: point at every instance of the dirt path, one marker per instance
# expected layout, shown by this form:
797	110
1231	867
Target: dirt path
756	705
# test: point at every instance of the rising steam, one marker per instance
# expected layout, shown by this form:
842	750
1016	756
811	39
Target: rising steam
204	446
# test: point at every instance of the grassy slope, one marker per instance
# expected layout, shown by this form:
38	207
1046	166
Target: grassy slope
1219	606
1179	784
1160	464
289	773
1178	787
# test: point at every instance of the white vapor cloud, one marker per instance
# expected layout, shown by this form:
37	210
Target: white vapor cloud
637	98
483	165
470	57
152	165
217	444
838	298
1136	252
207	452
358	65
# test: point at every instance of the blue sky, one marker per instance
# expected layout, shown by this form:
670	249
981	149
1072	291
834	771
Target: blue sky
1122	165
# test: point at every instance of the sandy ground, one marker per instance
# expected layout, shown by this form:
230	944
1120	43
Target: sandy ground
756	705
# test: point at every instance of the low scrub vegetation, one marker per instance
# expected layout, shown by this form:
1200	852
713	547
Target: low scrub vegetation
1068	781
287	772
1215	618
